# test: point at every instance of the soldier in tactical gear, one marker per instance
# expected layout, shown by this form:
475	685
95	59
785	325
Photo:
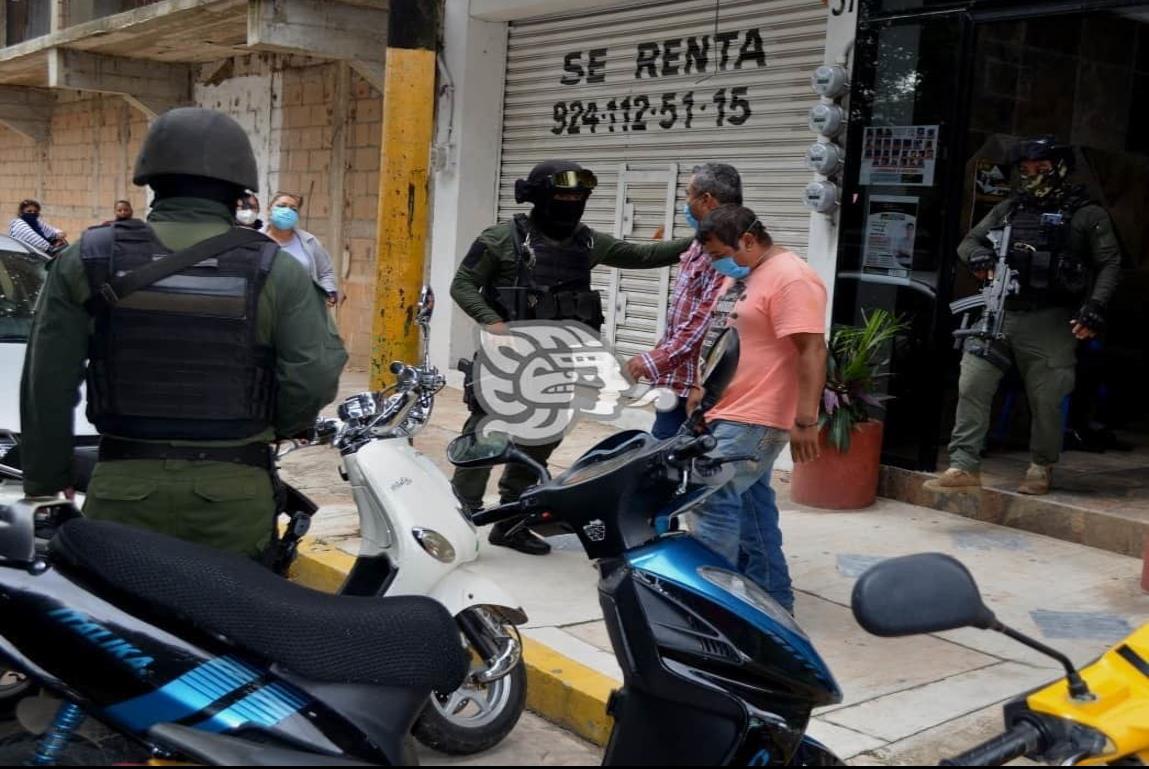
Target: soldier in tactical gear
1068	262
538	267
203	345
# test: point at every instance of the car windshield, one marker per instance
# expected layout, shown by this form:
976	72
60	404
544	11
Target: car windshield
21	278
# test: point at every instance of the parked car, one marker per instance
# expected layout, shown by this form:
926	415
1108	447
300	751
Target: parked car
22	274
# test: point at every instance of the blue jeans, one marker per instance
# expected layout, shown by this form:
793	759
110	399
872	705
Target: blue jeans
740	520
667	423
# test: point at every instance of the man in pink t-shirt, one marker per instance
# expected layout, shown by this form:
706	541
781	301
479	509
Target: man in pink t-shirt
774	395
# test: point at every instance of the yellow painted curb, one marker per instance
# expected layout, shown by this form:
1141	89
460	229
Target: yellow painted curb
320	566
568	693
559	689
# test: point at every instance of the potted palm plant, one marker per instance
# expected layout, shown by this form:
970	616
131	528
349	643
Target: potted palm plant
845	476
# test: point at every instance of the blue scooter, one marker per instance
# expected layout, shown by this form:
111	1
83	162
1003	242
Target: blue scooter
715	671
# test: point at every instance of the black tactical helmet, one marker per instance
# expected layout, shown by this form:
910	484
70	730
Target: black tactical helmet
552	176
1044	185
194	141
1042	148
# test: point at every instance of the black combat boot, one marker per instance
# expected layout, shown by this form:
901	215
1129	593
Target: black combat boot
524	540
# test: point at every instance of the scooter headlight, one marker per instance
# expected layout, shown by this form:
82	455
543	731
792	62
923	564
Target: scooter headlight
748	591
435	544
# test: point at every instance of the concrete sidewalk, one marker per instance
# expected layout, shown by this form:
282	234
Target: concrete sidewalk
907	701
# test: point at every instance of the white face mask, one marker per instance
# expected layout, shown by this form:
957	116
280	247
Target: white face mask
246	216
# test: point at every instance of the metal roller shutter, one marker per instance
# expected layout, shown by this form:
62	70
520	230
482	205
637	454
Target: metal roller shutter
747	91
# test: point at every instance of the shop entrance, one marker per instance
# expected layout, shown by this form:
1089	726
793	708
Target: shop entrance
1085	79
979	80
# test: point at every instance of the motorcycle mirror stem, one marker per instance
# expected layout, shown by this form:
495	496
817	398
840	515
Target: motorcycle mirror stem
1078	689
515	454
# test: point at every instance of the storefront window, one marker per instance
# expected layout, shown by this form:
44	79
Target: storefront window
939	100
1084	79
897	223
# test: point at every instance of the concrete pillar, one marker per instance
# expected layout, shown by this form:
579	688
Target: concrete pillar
822	251
404	171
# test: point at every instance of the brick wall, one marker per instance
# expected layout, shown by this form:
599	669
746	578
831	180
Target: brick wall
306	166
361	201
83	169
289	106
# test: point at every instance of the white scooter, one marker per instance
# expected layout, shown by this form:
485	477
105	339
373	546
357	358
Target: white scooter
418	541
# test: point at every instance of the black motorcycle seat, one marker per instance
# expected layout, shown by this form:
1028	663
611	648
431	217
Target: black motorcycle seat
407	642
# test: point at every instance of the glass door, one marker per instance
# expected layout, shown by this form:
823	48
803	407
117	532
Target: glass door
899	215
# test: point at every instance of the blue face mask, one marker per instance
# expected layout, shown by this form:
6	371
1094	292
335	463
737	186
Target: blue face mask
727	266
690	220
284	218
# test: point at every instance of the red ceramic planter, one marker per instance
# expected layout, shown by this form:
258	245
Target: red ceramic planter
838	481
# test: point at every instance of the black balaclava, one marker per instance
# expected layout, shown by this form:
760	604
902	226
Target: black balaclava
33	221
556	218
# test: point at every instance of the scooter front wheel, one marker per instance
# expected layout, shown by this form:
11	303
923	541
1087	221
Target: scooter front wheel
476	716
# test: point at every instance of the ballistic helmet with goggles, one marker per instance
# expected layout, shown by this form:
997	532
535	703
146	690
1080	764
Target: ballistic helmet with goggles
554	176
1035	180
559	190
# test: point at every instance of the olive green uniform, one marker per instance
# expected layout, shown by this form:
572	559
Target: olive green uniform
1038	339
492	261
221	504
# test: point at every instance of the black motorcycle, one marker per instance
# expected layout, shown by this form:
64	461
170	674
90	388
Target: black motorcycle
193	653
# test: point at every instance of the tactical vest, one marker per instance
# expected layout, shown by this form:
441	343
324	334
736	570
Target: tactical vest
552	280
178	359
1049	272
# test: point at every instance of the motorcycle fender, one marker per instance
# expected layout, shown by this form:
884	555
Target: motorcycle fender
463	588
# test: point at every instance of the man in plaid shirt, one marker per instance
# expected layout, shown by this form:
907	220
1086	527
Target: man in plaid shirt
673	363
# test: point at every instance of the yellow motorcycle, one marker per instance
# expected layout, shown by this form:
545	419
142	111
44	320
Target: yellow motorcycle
1098	716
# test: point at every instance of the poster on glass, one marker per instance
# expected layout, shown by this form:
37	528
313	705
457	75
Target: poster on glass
900	155
891	223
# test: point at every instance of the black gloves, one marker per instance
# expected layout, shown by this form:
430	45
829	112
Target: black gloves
982	260
1092	316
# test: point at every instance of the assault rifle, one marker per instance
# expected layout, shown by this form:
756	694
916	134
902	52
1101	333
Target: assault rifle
990	299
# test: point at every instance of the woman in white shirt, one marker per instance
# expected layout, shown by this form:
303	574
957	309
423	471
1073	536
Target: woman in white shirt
31	231
283	228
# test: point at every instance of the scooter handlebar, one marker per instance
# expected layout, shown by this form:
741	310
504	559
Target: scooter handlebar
700	446
1023	738
498	513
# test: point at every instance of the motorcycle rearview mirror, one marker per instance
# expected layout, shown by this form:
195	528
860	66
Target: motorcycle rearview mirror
474	450
924	593
426	305
932	592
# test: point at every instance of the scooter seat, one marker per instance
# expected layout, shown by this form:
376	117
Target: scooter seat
408	642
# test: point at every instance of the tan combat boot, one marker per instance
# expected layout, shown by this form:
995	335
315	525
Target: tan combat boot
955	479
1037	480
